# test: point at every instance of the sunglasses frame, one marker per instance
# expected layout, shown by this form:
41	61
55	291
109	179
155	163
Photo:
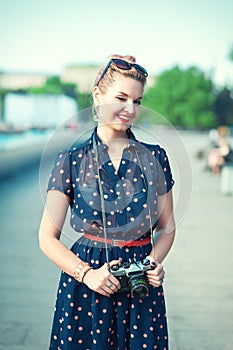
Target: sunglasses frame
128	66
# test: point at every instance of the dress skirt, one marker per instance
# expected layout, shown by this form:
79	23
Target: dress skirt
86	320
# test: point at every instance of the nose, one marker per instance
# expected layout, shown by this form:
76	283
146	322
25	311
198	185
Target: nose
129	108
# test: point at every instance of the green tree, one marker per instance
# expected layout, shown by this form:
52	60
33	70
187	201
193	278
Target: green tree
231	53
84	100
2	104
53	85
70	89
223	107
184	97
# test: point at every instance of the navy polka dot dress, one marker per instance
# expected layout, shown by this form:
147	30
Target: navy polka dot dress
86	320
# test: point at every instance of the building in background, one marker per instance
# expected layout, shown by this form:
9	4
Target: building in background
83	75
20	80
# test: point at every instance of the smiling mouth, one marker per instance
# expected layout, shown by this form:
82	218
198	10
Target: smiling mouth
124	119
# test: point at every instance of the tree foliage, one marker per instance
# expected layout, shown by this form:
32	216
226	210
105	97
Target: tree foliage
55	86
231	53
223	107
84	100
2	103
184	97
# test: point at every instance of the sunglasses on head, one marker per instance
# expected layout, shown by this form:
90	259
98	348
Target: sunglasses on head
124	65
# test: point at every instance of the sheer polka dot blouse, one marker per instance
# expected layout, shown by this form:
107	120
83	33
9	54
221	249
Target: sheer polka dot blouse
130	194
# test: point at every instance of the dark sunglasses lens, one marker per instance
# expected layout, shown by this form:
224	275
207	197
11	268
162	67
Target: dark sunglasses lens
140	70
121	64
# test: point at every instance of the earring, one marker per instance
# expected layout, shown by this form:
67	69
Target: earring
94	114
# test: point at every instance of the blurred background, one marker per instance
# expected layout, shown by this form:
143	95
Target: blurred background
50	54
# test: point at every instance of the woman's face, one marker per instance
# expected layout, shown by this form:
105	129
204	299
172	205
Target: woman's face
119	106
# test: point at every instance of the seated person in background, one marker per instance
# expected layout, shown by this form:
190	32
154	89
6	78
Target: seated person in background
220	154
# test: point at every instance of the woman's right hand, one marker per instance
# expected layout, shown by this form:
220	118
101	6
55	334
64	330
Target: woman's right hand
101	280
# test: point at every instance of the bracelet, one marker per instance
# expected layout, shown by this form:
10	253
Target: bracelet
85	272
78	271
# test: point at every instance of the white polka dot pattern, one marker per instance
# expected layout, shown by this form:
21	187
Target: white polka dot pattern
83	319
126	192
86	320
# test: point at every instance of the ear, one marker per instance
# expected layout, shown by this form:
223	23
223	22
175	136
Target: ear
96	95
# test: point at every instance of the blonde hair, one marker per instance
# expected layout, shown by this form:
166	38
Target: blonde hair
110	75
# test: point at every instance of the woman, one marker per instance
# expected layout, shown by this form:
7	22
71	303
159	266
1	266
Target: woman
119	191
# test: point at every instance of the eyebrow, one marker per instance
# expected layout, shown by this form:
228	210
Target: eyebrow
123	93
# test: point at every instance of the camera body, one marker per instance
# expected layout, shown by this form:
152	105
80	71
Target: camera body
132	277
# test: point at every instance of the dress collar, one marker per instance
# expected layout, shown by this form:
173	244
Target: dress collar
102	146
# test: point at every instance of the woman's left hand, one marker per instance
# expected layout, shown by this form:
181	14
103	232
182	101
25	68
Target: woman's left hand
155	276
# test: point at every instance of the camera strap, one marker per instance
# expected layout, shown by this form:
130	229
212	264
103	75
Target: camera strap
103	209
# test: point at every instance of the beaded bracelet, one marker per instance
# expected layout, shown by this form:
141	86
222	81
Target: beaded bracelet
85	272
79	271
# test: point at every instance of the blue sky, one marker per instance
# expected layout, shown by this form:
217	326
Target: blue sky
47	35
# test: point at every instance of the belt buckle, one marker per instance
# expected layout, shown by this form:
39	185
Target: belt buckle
120	243
117	242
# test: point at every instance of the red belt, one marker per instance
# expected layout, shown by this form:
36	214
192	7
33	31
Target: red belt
119	242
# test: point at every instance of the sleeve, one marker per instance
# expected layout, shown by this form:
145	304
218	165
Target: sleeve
60	178
165	180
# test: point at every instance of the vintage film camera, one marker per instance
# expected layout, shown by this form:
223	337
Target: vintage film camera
132	276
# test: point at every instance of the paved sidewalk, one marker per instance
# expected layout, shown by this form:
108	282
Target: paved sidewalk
198	284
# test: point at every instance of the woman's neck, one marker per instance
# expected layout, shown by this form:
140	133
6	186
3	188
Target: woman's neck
107	134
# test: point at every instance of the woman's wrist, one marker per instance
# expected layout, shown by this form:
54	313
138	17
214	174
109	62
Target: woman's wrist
87	269
80	270
153	259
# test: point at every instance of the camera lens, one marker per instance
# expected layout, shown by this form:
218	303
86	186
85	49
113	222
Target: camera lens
138	287
115	267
